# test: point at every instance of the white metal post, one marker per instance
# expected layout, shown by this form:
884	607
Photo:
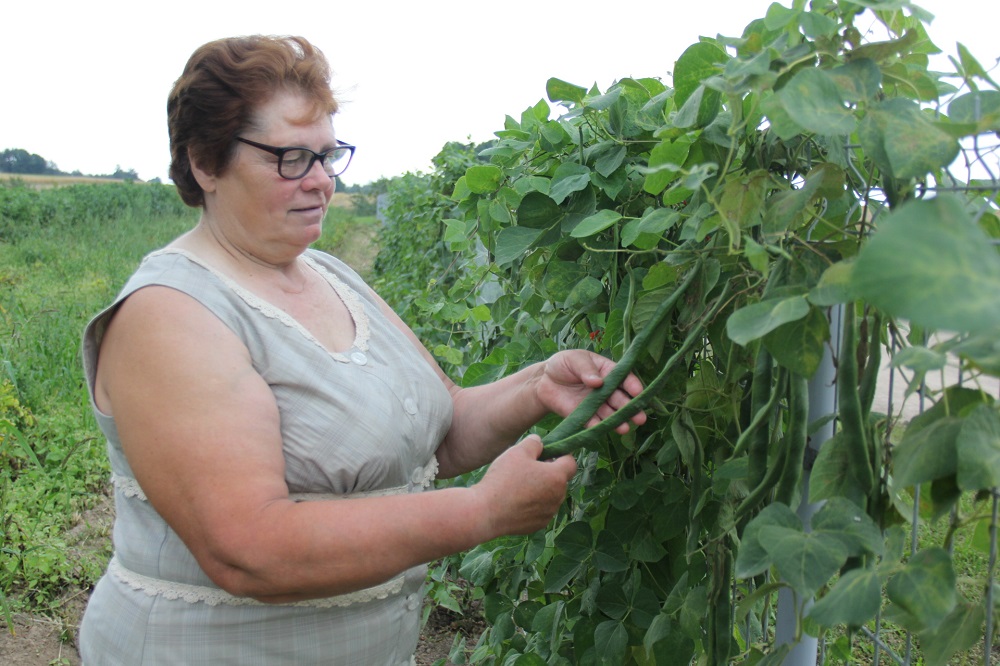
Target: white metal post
822	402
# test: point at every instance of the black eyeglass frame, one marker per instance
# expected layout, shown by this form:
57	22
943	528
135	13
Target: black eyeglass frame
279	152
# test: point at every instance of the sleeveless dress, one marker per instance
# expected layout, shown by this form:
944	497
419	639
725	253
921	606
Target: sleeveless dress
366	421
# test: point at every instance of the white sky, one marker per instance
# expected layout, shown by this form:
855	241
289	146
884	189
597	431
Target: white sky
84	84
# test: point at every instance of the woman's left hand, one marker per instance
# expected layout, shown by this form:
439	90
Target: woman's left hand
570	375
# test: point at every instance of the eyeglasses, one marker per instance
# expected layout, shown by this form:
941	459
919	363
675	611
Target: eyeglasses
295	162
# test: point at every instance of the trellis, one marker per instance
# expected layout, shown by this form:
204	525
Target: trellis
982	181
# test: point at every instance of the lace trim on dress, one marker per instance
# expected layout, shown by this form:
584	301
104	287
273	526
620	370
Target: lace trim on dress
192	594
430	473
128	487
350	298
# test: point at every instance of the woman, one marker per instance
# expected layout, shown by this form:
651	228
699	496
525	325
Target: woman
271	422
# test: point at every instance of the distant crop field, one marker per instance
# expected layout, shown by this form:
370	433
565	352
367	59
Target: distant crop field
44	182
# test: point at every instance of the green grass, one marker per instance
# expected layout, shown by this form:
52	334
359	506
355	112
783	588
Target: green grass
53	468
56	274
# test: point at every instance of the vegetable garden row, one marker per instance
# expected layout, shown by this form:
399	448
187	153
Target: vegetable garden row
787	206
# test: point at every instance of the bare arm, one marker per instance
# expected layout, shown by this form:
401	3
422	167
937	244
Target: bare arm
200	429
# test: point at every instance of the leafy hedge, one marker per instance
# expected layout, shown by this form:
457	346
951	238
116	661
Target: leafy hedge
788	178
23	208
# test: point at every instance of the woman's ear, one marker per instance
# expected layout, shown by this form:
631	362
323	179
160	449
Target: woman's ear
205	180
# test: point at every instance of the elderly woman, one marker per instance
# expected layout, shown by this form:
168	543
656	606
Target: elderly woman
272	424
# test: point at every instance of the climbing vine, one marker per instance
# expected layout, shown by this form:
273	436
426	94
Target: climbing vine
783	192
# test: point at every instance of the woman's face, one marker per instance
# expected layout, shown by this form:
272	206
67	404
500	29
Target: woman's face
267	215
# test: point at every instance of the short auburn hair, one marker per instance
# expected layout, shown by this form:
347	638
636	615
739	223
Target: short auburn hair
222	85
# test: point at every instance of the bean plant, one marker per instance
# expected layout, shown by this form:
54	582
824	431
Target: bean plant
787	196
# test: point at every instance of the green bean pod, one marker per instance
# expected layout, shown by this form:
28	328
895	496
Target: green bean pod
852	420
797	438
578	419
869	378
762	398
579	435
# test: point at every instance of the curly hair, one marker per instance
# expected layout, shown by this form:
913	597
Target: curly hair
223	83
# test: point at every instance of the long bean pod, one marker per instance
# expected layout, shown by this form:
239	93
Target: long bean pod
582	436
852	421
767	484
579	417
762	398
869	378
796	440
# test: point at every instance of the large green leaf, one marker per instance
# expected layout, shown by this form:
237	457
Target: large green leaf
665	161
844	520
923	592
903	142
962	629
757	319
513	242
835	285
561	91
560	571
560	279
980	109
609	554
833	473
699	110
477	566
741	203
653	222
568	178
859	80
753	558
930	263
697	63
928	454
854	600
611	641
979	450
575	541
812	100
785	209
585	294
596	223
538	211
805	560
483	179
799	345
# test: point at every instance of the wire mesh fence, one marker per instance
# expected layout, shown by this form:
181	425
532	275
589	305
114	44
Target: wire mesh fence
907	390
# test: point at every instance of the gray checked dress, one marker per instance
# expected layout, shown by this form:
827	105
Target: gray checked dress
363	422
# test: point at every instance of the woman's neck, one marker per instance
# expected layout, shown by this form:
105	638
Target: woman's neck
241	260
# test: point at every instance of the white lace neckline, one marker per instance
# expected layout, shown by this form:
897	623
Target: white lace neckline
350	298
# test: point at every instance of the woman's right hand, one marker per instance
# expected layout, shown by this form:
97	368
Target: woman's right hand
521	493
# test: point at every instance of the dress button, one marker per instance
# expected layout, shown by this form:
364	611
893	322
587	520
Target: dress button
417	478
412	602
410	405
359	358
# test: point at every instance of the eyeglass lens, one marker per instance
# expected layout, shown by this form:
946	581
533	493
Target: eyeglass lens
295	163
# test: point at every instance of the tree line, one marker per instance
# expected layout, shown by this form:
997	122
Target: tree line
19	160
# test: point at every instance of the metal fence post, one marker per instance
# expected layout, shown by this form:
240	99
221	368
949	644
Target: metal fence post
822	402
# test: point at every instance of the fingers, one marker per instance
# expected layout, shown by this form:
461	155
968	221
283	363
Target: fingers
532	445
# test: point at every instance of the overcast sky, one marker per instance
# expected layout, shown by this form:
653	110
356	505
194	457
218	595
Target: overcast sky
84	84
